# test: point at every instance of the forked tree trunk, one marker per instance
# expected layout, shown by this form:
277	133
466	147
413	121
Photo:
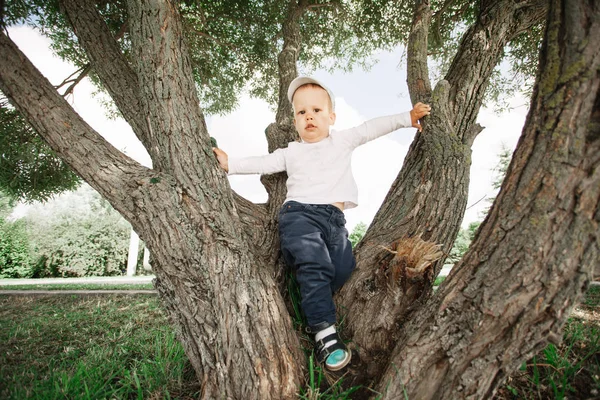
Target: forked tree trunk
428	198
213	263
228	312
534	254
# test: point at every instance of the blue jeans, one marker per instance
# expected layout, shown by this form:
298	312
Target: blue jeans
314	242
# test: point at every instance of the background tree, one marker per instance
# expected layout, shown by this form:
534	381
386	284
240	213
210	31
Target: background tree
29	169
214	252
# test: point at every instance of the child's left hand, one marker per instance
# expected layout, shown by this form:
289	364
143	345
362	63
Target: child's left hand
419	111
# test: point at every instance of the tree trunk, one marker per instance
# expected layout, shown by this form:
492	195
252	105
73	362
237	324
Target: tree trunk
428	198
534	254
228	312
213	261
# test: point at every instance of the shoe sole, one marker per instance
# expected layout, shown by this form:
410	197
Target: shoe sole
342	365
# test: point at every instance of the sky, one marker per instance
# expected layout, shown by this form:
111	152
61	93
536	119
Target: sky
359	96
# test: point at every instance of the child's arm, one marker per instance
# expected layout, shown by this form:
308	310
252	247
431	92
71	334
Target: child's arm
419	111
376	127
264	165
222	158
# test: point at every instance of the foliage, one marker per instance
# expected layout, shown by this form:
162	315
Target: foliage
79	286
231	51
14	245
15	260
78	234
462	242
516	74
499	172
501	168
7	204
357	233
29	169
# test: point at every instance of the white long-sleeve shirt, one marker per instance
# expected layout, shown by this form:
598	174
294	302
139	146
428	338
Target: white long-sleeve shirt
321	173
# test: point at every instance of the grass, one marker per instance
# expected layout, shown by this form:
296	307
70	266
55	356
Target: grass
79	286
122	347
90	348
570	370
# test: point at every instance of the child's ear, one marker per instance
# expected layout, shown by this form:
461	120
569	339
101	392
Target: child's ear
331	118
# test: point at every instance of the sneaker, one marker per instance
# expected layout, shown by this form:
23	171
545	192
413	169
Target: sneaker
335	356
338	359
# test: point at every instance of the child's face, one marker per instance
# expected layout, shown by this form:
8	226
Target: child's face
312	113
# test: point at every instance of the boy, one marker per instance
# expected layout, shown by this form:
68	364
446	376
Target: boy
320	185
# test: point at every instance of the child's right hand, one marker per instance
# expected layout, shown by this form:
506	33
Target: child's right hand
222	158
419	111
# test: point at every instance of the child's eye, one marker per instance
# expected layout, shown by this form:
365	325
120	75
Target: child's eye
301	112
317	110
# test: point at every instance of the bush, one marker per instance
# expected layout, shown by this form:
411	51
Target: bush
88	247
15	260
79	235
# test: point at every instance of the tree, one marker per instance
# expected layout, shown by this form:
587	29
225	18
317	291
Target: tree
214	252
541	234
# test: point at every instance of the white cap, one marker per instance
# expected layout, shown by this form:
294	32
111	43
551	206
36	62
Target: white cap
303	80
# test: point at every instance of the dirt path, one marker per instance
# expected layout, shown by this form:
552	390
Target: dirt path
126	292
112	280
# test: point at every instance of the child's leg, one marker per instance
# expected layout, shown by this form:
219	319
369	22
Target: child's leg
308	233
302	230
340	251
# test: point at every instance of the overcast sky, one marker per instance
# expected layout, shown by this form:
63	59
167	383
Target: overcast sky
360	95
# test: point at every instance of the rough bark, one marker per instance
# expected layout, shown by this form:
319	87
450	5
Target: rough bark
213	261
428	198
228	313
534	254
118	77
280	133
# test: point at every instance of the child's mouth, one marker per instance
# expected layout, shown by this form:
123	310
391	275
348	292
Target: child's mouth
309	126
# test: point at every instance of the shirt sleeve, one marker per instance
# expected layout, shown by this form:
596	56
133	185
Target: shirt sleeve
374	128
263	165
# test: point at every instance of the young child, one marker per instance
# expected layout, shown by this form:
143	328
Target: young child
320	185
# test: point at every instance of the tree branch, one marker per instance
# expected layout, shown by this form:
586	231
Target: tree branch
83	72
100	164
287	59
110	64
279	134
168	97
480	50
418	72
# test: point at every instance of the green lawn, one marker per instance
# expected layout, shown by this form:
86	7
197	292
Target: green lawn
122	347
74	347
